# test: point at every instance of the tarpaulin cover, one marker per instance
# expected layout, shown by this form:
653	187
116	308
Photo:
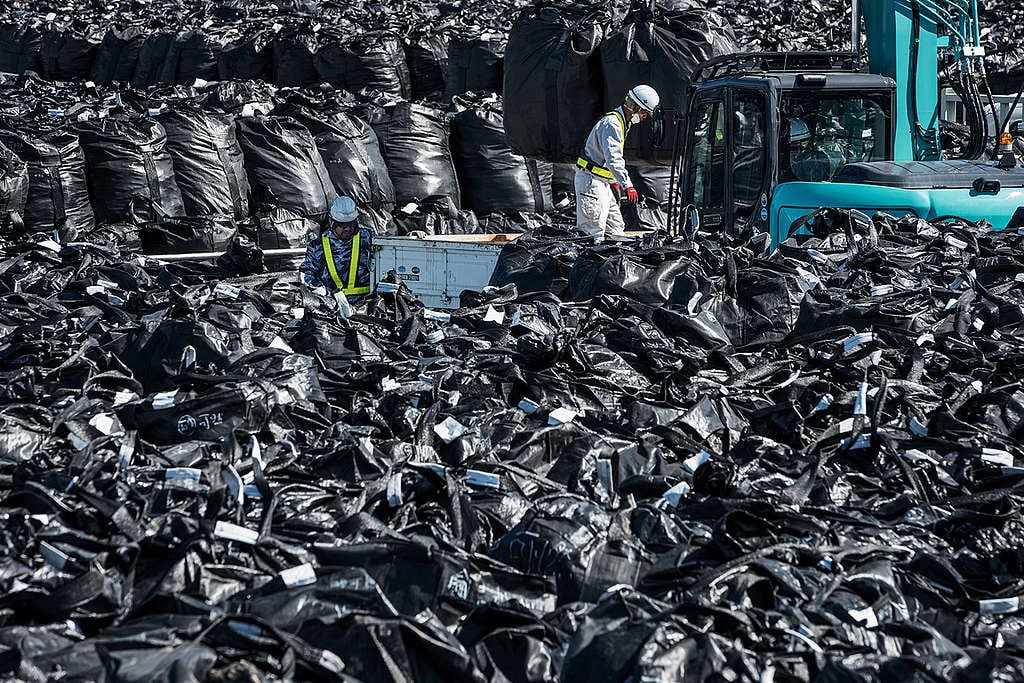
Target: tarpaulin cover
58	196
350	150
491	176
284	167
127	158
660	49
552	88
208	162
373	61
414	141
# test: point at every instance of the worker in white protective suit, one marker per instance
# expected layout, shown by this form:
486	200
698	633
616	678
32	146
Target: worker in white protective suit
601	175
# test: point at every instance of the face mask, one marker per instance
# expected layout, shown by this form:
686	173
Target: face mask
635	118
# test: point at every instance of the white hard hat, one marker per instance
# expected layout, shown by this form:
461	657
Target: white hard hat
798	131
344	210
646	97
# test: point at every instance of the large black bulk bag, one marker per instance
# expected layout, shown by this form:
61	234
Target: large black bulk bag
660	49
58	196
552	85
372	61
192	55
284	167
124	159
351	153
281	229
152	56
13	191
426	54
20	45
68	53
249	58
491	176
118	55
208	162
414	142
475	63
186	234
294	59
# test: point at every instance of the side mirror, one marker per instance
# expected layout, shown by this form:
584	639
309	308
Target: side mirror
657	127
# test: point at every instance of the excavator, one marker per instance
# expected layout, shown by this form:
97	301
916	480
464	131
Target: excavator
771	137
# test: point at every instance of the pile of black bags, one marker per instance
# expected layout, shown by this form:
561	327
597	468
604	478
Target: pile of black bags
673	460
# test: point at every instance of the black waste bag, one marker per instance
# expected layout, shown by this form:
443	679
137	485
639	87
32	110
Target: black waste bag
660	49
126	158
535	264
191	55
68	53
350	150
426	55
284	167
208	162
20	47
371	61
648	277
251	57
563	181
152	56
435	216
187	234
118	55
414	142
282	229
552	86
491	176
14	188
475	64
58	196
208	412
294	53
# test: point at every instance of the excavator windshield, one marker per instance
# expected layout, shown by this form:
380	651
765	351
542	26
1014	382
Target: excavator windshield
823	131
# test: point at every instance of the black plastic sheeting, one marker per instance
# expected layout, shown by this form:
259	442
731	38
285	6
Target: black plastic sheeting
372	61
414	142
798	467
552	79
14	188
491	176
127	158
475	64
208	162
284	167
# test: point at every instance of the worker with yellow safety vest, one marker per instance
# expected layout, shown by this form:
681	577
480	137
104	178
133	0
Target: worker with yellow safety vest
340	258
601	169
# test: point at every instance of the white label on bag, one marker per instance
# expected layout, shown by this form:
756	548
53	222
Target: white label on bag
50	244
487	480
224	289
56	558
676	493
450	429
823	403
303	575
860	405
410	208
925	338
233	532
691	464
999	605
106	424
394	490
528	406
856	340
164	399
439	316
281	344
387	384
866	616
494	315
561	416
434	337
997	457
955	242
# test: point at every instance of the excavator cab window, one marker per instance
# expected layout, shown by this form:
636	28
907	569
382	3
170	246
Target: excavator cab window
707	180
748	161
822	132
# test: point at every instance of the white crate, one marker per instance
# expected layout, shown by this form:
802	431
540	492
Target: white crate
439	267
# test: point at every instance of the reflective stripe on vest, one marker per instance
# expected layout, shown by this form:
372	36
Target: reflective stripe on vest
353	267
601	171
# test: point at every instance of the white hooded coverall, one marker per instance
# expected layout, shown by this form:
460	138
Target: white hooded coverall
597	207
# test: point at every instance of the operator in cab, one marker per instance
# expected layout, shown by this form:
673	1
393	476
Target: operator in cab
601	176
339	259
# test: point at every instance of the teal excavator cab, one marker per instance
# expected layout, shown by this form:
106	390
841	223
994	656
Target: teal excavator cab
772	137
